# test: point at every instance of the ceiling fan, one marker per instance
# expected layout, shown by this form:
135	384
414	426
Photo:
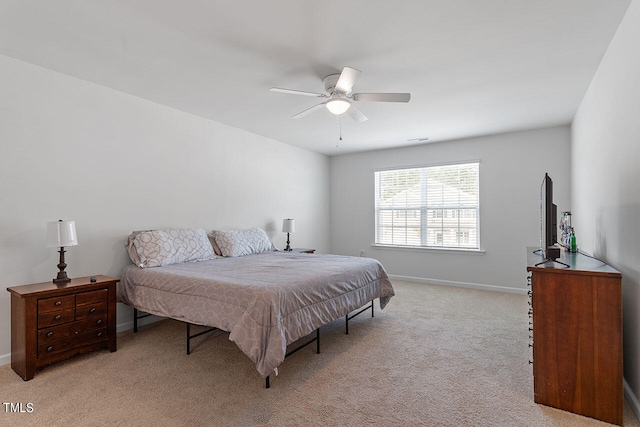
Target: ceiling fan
340	99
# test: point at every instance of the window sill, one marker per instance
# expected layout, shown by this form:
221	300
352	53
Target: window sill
439	250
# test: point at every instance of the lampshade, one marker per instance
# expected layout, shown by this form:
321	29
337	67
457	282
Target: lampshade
61	234
338	106
289	225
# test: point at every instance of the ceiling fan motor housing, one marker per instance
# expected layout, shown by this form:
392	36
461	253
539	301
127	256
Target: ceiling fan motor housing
330	83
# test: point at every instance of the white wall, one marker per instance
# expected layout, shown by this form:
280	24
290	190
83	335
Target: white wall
605	189
115	163
512	167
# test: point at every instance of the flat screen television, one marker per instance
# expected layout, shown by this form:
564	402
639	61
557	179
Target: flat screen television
548	221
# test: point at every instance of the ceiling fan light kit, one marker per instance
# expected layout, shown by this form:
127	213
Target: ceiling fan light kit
337	106
340	100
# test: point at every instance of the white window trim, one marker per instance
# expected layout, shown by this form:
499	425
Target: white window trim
467	251
462	250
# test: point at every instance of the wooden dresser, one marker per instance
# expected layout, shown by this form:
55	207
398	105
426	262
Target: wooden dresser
52	322
577	335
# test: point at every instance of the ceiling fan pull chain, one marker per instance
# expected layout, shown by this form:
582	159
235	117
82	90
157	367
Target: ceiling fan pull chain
340	131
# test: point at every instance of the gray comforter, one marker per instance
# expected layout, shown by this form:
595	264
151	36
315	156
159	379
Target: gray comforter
266	301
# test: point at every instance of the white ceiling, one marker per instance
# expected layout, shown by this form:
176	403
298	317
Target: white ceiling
473	67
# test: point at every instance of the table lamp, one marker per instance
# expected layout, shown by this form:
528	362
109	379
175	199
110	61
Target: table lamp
61	234
288	226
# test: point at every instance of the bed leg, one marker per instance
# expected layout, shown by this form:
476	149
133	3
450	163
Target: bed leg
188	338
136	317
267	385
347	317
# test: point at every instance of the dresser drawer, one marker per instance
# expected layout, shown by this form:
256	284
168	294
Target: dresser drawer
92	297
72	341
89	310
48	335
55	317
56	303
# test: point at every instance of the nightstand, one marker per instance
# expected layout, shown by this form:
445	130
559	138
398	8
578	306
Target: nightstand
303	250
50	323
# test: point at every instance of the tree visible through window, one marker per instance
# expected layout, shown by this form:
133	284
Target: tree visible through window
433	206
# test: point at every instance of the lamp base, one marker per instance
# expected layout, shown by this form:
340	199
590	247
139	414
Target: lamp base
62	278
288	248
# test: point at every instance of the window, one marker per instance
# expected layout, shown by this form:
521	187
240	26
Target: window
433	206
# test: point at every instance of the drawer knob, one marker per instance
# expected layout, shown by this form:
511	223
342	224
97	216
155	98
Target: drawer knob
99	334
50	348
58	303
93	310
50	333
99	321
58	317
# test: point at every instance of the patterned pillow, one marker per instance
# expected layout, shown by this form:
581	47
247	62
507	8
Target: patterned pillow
157	248
242	242
131	248
216	249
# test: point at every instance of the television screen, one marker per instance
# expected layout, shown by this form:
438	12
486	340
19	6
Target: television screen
548	220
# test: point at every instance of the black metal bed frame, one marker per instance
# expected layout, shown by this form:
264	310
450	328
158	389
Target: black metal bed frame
189	336
316	339
347	317
300	347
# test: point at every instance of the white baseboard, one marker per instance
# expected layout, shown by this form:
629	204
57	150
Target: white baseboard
124	326
5	359
128	325
632	399
459	284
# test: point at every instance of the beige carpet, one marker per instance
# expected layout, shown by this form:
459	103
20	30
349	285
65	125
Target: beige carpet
436	356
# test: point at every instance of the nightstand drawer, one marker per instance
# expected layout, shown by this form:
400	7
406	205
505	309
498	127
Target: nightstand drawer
72	341
88	310
91	297
55	317
54	333
89	337
56	303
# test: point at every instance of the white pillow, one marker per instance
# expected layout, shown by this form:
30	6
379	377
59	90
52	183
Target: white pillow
242	242
157	248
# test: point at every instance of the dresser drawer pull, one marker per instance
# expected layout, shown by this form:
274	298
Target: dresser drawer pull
50	333
50	348
58	317
99	334
99	322
93	310
58	303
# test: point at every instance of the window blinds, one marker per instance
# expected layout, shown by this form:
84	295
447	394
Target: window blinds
434	206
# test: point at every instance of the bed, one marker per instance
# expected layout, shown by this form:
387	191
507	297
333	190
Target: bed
266	299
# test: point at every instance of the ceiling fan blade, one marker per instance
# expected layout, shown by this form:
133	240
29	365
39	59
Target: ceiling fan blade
309	110
298	92
356	114
382	97
346	80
